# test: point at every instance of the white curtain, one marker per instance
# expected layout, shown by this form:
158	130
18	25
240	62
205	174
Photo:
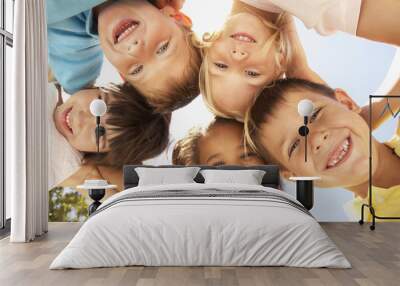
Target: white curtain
26	142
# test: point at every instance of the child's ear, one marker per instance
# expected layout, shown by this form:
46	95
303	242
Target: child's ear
287	174
178	16
346	100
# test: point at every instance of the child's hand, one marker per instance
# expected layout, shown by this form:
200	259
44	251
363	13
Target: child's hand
176	4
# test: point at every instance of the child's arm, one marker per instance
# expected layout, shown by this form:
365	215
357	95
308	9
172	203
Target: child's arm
378	106
298	66
380	21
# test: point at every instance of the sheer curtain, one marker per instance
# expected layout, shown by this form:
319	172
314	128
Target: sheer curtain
27	127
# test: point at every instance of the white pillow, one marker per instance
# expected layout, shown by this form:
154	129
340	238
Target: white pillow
247	177
166	176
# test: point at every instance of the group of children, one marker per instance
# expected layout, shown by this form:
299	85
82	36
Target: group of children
251	73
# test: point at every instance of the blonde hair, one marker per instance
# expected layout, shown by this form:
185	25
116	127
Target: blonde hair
279	39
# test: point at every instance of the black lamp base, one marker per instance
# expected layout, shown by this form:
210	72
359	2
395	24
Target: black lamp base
305	193
96	195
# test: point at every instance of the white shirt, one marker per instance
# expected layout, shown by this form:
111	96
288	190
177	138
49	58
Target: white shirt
324	16
64	160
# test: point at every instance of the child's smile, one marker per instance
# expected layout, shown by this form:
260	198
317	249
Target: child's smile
243	37
66	122
340	153
124	29
75	122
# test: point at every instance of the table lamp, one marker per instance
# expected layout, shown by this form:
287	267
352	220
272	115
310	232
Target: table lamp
305	108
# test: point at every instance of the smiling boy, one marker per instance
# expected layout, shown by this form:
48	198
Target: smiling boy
338	141
133	131
145	44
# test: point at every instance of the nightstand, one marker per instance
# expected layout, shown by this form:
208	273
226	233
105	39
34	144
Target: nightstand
305	190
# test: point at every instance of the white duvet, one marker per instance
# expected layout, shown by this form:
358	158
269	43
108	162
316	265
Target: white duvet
202	231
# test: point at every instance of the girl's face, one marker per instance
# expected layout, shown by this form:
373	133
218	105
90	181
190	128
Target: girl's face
239	65
144	43
75	122
223	145
338	142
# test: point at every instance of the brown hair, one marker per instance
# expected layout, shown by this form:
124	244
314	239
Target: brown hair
186	150
183	91
268	101
141	132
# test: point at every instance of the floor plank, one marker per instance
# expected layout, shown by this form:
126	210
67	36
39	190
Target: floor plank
375	257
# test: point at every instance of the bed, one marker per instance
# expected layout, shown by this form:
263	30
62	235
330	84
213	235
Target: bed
201	224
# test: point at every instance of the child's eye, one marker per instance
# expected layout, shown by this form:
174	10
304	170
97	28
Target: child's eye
219	163
163	48
252	73
314	116
248	155
221	66
137	70
293	147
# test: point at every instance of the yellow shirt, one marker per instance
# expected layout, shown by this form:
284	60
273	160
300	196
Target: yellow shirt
394	143
386	202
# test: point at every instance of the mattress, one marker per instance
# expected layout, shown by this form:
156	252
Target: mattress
201	225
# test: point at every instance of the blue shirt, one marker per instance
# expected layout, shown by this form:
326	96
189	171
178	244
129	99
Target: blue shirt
75	55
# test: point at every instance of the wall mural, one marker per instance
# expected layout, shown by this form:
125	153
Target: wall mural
218	83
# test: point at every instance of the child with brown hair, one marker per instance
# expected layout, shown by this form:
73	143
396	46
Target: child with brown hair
133	131
338	149
220	143
145	43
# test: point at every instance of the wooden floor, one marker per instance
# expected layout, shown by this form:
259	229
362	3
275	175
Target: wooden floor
375	257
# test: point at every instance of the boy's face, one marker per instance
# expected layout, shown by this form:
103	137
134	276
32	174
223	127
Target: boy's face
338	142
75	122
145	45
223	145
238	64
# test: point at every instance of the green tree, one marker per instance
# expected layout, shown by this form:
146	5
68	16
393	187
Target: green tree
67	205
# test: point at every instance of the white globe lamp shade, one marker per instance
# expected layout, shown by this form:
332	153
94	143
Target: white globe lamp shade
98	107
305	108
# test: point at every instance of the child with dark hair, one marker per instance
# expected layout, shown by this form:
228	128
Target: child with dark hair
221	143
133	131
145	43
338	149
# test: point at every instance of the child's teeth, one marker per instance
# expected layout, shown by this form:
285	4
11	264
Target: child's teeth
127	31
243	38
68	120
343	152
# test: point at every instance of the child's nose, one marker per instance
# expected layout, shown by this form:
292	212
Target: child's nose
84	118
318	139
133	47
239	55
